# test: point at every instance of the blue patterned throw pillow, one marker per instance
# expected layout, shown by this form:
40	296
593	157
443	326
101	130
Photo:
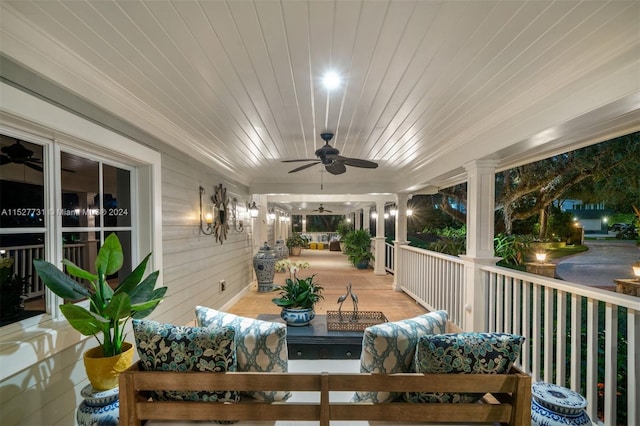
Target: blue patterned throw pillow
166	347
463	353
390	347
260	345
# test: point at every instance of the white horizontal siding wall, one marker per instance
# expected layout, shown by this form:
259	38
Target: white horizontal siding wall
195	263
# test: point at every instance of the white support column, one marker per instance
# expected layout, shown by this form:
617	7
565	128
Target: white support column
364	222
401	232
378	263
304	223
357	223
480	230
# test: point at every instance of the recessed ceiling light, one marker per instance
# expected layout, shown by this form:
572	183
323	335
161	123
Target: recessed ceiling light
331	80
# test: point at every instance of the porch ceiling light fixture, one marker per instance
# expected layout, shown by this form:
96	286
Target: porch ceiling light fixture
272	214
205	218
409	212
253	210
238	223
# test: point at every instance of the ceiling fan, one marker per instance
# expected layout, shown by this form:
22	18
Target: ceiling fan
321	210
19	154
333	162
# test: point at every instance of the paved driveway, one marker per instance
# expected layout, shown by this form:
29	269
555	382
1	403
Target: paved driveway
605	261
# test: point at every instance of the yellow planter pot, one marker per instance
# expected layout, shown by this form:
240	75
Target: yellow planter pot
102	371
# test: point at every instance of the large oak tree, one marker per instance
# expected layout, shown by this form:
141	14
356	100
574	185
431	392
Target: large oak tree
607	172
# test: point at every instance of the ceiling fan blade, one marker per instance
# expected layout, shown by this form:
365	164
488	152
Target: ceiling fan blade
33	166
304	167
357	162
336	168
301	159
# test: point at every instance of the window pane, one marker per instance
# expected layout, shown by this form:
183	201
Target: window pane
21	290
21	184
80	191
117	196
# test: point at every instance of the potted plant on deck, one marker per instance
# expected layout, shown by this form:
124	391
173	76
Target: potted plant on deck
343	229
298	297
295	243
358	248
109	308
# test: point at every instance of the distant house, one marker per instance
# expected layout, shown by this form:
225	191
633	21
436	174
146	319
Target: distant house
593	218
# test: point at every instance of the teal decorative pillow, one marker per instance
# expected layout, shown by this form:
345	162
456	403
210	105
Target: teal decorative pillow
260	345
166	347
463	353
390	347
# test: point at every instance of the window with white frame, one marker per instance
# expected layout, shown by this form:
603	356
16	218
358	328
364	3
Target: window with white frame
91	198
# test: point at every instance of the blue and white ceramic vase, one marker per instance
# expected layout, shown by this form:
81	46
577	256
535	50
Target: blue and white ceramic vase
99	408
281	249
264	263
297	317
553	405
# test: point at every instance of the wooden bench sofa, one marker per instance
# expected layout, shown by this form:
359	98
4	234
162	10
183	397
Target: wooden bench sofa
508	398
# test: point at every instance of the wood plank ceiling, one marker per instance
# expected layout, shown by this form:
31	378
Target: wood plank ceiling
426	85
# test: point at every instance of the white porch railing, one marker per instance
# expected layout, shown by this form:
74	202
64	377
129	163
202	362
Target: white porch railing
389	257
23	257
434	280
577	336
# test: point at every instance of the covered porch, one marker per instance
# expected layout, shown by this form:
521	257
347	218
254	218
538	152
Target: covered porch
579	337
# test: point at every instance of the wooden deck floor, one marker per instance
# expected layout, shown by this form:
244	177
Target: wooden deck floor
333	272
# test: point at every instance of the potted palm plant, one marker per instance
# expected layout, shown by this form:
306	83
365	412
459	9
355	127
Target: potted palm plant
298	297
358	248
343	229
109	308
295	243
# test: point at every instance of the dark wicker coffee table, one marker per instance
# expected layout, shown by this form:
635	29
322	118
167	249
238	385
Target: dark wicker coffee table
314	341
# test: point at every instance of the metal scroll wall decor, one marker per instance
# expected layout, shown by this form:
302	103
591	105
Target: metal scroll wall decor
217	224
221	213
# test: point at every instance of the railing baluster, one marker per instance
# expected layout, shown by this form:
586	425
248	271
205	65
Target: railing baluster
548	335
536	330
610	362
592	359
561	340
576	341
526	325
633	367
517	307
508	305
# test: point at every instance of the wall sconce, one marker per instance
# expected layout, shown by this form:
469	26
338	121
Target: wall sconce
386	215
253	210
271	215
238	224
541	257
636	270
205	218
374	215
409	212
393	212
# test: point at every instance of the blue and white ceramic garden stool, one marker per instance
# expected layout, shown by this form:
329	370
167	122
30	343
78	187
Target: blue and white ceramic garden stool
99	408
553	405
